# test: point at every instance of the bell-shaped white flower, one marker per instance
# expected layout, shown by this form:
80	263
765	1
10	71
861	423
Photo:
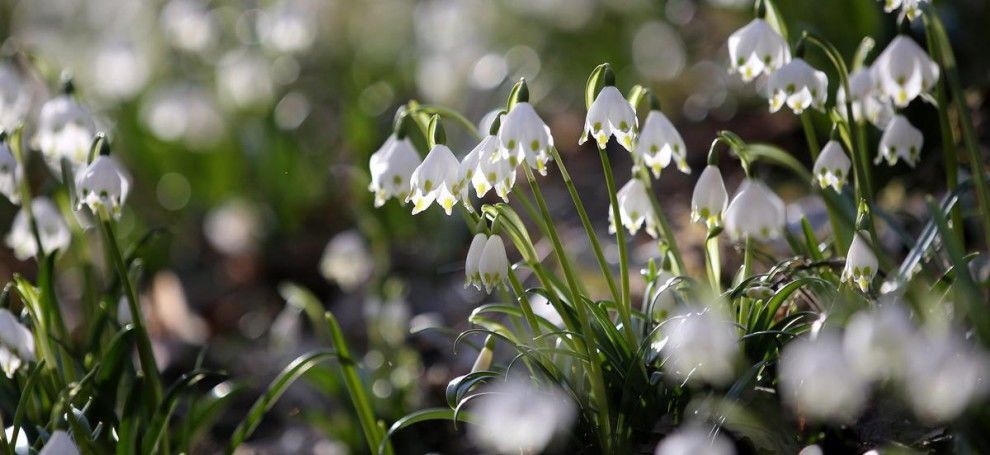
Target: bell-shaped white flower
757	49
391	168
755	212
515	417
798	85
493	265
699	347
867	104
466	170
903	71
52	228
435	180
524	136
909	8
635	209
861	263
15	97
65	130
11	174
104	184
60	443
818	382
659	143
610	115
472	275
692	439
16	343
832	166
900	140
494	170
709	198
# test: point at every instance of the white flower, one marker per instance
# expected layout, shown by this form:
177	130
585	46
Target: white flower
818	382
15	97
877	342
909	8
866	101
634	209
756	49
347	261
245	80
189	25
493	265
54	231
659	143
610	115
16	343
755	212
11	174
435	180
103	184
814	449
494	171
515	417
21	445
524	135
287	26
65	130
799	86
664	303
694	440
945	377
391	168
709	198
832	166
466	170
903	71
59	444
900	140
861	263
472	276
699	347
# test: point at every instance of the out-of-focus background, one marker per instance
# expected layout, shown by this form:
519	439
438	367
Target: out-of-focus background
247	126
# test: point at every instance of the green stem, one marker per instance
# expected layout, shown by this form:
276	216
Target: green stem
624	305
668	232
809	135
713	264
524	304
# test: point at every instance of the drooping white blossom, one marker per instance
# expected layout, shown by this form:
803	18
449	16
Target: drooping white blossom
900	141
15	97
494	170
755	212
945	376
435	180
798	85
877	342
472	275
60	443
11	174
391	168
493	265
818	382
909	8
52	228
16	343
524	136
709	199
659	143
866	102
516	417
65	130
610	115
699	347
861	263
103	184
692	439
832	166
635	209
903	71
757	49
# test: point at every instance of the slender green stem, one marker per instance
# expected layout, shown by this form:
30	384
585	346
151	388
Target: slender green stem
524	304
809	135
625	303
668	232
713	264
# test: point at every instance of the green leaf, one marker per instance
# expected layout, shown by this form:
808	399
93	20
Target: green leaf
424	415
461	385
159	422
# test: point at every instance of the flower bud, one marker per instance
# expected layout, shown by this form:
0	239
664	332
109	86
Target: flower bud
434	180
832	166
799	86
861	263
484	360
610	115
755	212
493	265
757	49
709	198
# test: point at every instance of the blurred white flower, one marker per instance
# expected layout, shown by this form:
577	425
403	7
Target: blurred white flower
391	318
119	70
755	212
59	444
245	80
699	347
877	342
610	115
664	303
288	26
494	171
832	166
524	136
757	49
691	439
16	343
817	380
635	209
103	184
347	261
52	228
542	308
392	167
233	228
186	113
946	375
65	130
435	179
659	143
709	198
15	97
814	449
900	140
861	263
21	445
867	105
472	276
799	86
484	360
515	417
11	174
903	71
493	265
188	25
909	8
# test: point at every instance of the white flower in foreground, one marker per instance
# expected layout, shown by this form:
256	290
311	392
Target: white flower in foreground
900	140
59	444
435	180
861	263
515	417
909	8
16	343
65	130
634	209
472	276
11	174
15	97
818	382
494	171
347	261
832	166
659	142
524	136
391	168
813	449
709	198
945	377
876	342
799	86
493	265
664	303
757	49
695	440
610	115
866	102
903	71
700	348
103	184
54	231
755	212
